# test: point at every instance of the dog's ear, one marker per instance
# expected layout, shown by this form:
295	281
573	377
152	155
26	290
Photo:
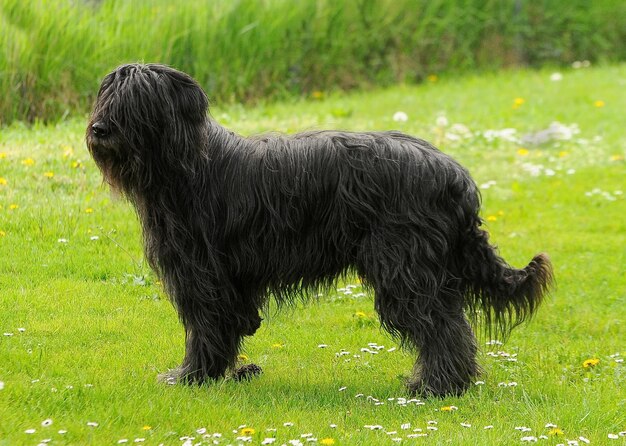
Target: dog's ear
192	102
188	99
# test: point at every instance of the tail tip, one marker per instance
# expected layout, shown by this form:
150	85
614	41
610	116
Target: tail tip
541	267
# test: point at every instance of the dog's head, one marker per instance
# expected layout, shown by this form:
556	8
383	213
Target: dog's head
145	117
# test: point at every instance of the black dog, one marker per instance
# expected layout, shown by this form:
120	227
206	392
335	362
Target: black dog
229	221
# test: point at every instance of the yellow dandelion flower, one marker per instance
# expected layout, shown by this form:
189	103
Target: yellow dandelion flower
317	94
242	357
13	206
617	157
277	345
432	78
563	153
448	408
492	218
599	103
146	427
518	101
3	181
360	314
522	151
28	162
247	431
555	431
2	233
327	441
500	213
48	174
592	362
2	155
76	164
89	211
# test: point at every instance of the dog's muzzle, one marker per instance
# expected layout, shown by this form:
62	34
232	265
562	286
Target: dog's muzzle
100	129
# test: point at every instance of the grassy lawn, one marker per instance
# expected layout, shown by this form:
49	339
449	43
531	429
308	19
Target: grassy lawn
86	327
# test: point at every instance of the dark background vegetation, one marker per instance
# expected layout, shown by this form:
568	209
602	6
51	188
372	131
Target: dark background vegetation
54	53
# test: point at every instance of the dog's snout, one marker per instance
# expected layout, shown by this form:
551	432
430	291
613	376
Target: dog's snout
100	129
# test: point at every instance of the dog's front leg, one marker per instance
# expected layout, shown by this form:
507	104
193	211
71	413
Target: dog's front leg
213	338
214	334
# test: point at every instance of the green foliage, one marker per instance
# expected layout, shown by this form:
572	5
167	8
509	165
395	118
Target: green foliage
85	327
53	53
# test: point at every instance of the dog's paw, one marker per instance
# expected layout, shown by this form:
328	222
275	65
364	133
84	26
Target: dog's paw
246	372
419	387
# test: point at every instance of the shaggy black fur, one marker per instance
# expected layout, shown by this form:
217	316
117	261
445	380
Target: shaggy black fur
229	221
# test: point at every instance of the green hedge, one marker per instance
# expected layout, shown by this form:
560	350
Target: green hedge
53	53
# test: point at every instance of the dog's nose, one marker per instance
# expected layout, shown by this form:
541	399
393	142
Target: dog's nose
100	129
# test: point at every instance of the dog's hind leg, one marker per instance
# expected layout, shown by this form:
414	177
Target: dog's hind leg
419	304
446	362
437	329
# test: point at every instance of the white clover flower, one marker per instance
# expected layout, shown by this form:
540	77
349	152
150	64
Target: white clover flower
556	77
400	116
441	121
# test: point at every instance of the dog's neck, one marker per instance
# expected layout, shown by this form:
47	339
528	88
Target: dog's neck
219	139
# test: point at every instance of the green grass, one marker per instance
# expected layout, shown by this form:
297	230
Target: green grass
98	328
53	53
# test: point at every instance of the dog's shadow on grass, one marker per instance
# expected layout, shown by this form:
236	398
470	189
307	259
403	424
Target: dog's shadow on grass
265	392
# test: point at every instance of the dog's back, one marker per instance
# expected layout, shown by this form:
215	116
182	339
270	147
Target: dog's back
329	193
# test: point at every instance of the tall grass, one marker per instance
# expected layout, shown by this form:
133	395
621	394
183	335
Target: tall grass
53	53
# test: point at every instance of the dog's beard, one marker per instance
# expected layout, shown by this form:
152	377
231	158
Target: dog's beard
107	157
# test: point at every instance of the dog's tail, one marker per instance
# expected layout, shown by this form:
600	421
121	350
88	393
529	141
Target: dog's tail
504	296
